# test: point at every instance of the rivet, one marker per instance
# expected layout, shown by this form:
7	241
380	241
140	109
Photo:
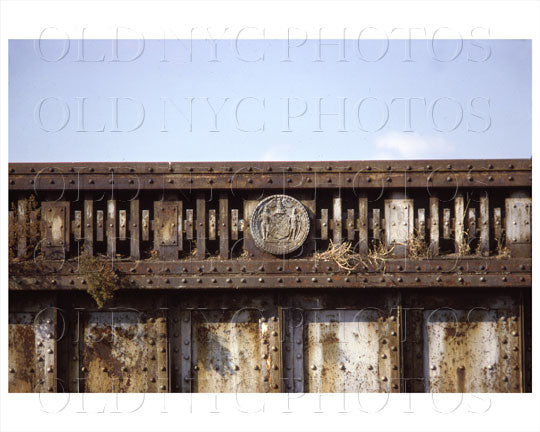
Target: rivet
83	369
274	348
383	356
370	367
313	367
462	368
384	378
514	333
257	367
342	367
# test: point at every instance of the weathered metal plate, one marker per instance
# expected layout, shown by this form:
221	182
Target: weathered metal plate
229	352
471	351
166	220
518	226
55	220
32	351
121	352
22	353
343	350
399	223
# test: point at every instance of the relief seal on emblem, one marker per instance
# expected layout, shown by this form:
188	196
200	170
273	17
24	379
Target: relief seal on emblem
279	224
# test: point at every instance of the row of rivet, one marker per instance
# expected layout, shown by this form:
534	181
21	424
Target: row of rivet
170	169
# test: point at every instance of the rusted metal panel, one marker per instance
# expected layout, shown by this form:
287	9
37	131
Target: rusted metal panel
21	235
77	225
223	226
498	227
166	239
212	224
376	224
350	225
344	351
122	351
363	225
134	229
189	224
22	353
399	224
472	351
32	351
471	224
55	228
122	224
111	228
201	227
434	225
484	225
421	225
186	372
235	224
324	224
518	226
89	224
337	225
146	225
233	352
346	345
99	225
459	222
446	223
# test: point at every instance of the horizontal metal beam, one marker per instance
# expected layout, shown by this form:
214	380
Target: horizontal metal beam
295	267
271	175
451	273
198	282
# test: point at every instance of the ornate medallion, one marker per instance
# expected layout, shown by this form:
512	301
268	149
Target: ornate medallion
279	224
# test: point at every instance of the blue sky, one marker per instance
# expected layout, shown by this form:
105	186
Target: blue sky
173	100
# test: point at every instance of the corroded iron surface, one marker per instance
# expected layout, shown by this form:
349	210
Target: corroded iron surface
361	276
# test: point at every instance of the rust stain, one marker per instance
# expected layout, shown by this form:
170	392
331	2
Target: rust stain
22	353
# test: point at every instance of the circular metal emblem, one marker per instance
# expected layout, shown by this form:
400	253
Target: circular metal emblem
279	224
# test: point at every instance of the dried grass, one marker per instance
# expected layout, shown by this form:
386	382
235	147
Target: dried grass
502	249
418	248
347	259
